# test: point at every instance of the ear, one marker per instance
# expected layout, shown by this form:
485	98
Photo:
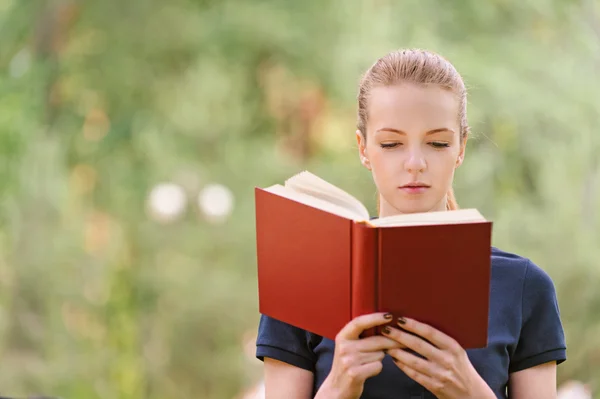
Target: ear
461	154
362	150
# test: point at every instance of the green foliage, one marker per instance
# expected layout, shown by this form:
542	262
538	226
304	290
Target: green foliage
101	101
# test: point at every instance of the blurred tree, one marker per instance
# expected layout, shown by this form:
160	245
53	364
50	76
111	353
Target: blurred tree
102	101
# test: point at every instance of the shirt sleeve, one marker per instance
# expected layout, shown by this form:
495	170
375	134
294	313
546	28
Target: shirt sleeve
542	337
284	342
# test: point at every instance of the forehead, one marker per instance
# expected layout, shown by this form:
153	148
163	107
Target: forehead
410	107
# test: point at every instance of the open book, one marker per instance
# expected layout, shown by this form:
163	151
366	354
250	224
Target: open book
311	190
322	261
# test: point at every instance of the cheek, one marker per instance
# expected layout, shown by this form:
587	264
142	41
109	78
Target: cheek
384	163
388	164
444	166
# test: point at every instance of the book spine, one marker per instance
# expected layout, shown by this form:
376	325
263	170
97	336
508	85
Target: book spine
364	281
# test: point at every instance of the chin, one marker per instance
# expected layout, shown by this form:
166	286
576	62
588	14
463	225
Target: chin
418	206
413	209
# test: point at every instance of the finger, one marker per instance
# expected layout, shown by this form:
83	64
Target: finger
423	379
433	335
416	363
410	341
370	369
354	328
377	343
370	357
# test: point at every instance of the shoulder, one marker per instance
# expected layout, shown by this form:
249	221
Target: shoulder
530	292
504	259
521	268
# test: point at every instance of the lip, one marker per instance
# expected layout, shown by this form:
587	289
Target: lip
415	184
414	188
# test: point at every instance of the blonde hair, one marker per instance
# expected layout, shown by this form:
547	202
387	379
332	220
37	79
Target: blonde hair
419	67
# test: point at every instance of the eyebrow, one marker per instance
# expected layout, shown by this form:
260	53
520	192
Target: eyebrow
438	130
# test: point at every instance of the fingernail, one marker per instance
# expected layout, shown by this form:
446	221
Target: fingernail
401	320
386	330
387	316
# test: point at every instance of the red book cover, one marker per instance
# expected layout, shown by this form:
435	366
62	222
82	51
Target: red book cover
304	259
317	270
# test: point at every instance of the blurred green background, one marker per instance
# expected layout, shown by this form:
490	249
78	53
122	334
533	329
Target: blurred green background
132	134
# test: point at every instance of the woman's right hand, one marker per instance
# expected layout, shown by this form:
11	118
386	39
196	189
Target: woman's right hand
355	359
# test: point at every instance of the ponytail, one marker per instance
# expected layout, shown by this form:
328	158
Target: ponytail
451	204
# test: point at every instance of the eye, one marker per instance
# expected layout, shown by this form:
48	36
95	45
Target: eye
389	145
439	144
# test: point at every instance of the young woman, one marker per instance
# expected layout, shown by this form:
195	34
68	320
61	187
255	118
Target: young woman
412	133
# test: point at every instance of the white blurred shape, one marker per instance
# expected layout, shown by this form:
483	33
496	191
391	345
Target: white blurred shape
574	390
167	201
256	392
216	202
20	63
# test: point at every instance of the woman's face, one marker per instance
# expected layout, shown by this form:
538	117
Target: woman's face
412	146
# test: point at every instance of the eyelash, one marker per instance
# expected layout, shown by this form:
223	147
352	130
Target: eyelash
434	144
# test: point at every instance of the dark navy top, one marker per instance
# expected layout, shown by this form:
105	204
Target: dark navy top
524	331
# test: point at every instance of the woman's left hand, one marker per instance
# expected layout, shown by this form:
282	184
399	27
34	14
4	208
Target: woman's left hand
446	370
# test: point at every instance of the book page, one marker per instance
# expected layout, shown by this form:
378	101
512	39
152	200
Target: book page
426	218
315	202
312	185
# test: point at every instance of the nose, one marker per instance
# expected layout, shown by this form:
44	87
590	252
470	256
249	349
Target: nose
415	162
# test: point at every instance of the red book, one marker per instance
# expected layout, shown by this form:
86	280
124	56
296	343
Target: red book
322	262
